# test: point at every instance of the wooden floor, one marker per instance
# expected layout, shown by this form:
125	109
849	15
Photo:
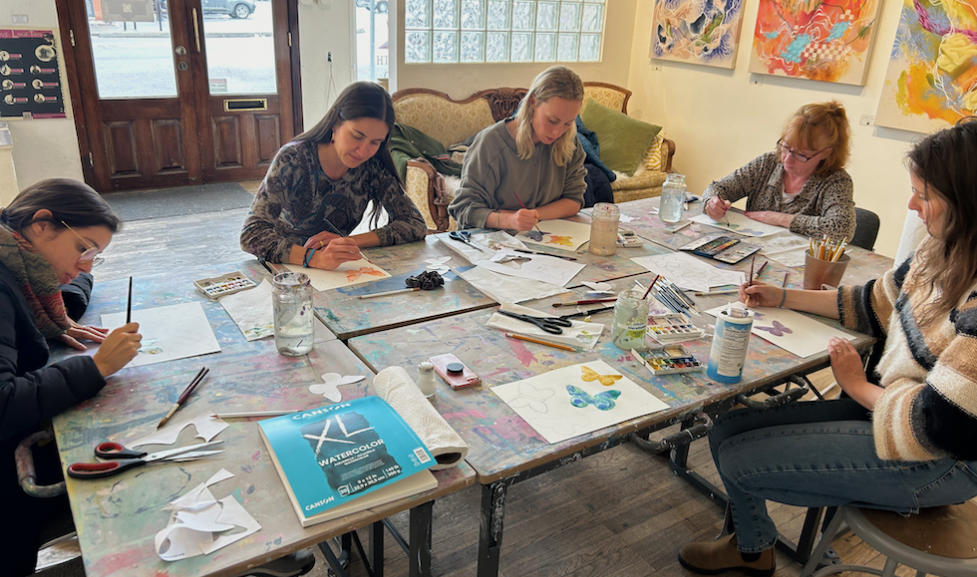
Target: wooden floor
619	513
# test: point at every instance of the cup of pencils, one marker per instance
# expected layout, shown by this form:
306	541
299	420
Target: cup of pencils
825	263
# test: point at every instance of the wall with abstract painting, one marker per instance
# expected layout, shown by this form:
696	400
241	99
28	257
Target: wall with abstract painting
931	81
813	39
697	31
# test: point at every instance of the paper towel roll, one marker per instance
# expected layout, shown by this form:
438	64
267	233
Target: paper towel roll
395	386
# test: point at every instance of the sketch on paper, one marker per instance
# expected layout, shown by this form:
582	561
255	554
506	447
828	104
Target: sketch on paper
931	79
347	274
739	223
697	32
795	333
548	269
169	333
826	41
688	272
563	234
560	404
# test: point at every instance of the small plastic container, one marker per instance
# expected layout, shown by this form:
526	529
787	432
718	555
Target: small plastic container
603	229
425	379
672	204
294	317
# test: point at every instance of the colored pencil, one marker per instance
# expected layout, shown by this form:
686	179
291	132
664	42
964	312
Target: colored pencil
129	303
184	396
725	292
585	302
541	342
523	205
839	251
253	414
386	293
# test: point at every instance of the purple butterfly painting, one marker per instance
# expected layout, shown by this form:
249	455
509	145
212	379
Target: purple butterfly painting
777	330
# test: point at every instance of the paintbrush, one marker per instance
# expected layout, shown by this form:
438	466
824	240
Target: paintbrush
651	285
750	283
184	396
760	270
129	303
523	204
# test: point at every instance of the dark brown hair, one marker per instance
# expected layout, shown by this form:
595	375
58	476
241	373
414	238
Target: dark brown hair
820	125
73	202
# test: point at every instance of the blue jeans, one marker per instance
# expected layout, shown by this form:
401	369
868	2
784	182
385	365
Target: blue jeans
821	454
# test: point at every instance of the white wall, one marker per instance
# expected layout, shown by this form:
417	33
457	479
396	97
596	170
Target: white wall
719	120
47	147
324	27
461	80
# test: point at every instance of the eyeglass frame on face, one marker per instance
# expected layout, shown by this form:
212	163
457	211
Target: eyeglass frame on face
90	253
782	146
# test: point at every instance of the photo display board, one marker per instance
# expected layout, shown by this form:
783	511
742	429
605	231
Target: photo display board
30	76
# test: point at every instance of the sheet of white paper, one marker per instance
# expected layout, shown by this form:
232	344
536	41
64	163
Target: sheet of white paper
348	274
739	223
548	269
193	497
203	518
785	247
169	333
490	242
795	333
208	426
252	311
559	233
688	272
503	288
576	400
581	334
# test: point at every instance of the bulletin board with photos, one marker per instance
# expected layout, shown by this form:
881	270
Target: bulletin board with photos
30	75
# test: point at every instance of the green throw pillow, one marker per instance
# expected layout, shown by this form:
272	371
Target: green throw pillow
623	140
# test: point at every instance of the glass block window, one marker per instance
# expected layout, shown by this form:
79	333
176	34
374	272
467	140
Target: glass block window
449	31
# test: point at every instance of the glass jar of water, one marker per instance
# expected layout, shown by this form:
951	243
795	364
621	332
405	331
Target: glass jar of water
294	316
673	198
630	321
603	228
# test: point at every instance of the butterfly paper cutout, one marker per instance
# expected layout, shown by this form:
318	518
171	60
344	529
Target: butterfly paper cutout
329	388
777	329
601	401
590	375
352	275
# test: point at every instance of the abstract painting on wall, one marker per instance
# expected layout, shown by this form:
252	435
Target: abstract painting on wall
697	31
931	81
816	40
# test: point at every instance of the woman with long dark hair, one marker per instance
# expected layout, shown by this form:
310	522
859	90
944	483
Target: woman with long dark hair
319	186
905	438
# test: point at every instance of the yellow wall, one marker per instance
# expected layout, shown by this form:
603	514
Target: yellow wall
719	120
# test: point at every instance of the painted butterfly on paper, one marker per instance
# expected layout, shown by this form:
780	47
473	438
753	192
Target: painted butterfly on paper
564	240
352	275
536	235
602	401
777	329
592	375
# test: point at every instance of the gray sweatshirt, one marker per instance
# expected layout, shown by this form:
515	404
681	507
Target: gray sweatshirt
493	171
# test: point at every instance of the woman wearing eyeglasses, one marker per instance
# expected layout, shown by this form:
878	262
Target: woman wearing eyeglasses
802	185
49	235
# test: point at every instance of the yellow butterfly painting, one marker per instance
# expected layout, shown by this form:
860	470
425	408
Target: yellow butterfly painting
592	375
556	239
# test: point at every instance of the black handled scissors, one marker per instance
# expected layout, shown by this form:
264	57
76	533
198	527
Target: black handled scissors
465	237
551	326
119	459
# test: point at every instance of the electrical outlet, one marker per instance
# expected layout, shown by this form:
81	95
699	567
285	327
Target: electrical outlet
756	79
866	120
18	18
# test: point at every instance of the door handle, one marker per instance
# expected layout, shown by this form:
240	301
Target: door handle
180	51
196	28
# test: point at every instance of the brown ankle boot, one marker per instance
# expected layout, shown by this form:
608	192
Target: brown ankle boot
722	555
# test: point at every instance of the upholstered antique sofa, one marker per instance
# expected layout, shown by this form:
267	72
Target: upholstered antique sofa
453	121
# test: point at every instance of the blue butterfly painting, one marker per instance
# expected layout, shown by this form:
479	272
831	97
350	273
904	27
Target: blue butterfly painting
536	235
778	330
603	401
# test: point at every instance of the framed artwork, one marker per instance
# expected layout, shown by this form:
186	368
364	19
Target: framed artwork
697	32
830	42
931	80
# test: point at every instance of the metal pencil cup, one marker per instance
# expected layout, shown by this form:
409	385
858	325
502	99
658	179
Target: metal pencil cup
819	273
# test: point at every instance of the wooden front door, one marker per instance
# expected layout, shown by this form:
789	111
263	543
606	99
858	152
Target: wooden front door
177	92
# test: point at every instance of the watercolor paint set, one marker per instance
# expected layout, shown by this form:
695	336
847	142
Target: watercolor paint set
673	328
224	285
668	360
721	247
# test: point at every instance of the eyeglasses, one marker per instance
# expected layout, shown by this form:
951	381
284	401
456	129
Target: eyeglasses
89	253
784	149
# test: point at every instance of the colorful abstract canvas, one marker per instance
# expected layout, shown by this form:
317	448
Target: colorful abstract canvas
931	81
697	32
831	42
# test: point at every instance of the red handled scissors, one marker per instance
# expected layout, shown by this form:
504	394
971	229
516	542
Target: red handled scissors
119	458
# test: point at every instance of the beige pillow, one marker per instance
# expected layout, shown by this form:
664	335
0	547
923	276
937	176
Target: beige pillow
654	158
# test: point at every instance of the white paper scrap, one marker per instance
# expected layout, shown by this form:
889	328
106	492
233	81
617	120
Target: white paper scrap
503	288
252	311
688	272
329	388
208	426
548	269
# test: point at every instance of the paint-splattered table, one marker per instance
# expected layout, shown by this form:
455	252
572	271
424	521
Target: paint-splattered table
118	517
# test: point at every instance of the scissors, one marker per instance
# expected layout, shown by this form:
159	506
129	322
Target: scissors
551	326
465	237
118	459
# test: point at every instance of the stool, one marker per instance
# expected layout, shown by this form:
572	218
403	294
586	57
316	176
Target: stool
936	541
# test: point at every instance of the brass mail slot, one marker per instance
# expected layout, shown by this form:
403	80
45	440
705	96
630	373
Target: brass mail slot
245	104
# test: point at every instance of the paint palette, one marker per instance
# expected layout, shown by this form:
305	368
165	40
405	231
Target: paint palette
668	360
673	328
721	247
224	285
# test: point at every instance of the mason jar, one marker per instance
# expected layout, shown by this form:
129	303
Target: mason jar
603	228
630	321
294	316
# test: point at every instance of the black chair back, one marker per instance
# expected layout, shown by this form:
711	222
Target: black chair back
866	228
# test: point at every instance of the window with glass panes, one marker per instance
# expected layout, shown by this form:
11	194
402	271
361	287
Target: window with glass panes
443	31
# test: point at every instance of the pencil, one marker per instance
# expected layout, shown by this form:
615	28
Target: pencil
839	251
253	414
675	229
651	285
585	302
523	205
184	396
785	279
385	293
541	342
725	292
129	303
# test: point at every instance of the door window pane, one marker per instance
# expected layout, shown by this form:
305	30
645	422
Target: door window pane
132	59
240	47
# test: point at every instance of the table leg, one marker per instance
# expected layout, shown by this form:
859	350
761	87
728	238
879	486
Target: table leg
420	540
490	532
376	548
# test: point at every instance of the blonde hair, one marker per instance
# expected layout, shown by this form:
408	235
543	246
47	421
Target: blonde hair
820	125
558	82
